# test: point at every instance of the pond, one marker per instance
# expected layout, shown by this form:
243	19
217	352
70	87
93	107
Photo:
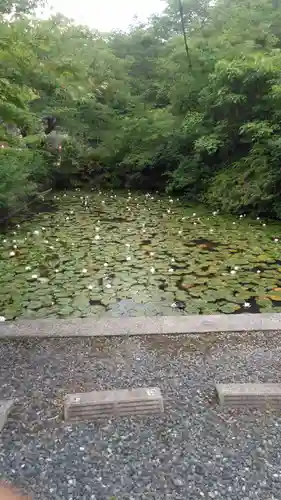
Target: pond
115	254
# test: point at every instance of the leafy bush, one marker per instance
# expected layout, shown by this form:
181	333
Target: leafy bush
19	172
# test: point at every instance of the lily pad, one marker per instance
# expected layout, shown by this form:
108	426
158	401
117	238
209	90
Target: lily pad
228	308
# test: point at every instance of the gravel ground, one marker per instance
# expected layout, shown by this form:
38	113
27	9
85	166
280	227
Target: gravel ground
195	450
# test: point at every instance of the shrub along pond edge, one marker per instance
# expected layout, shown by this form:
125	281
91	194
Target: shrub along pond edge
163	325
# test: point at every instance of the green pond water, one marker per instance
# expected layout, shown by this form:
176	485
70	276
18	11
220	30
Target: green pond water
105	254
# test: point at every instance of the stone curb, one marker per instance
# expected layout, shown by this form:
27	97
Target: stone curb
247	395
156	325
5	408
113	403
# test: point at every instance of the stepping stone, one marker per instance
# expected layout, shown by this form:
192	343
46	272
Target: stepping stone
249	395
115	403
5	408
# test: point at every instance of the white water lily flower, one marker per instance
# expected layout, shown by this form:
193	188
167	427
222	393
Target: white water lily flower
180	232
12	254
56	270
103	201
71	212
258	271
211	230
97	237
171	270
264	224
168	211
233	223
43	228
183	218
195	223
151	254
152	270
97	228
18	226
84	271
15	246
241	216
90	287
172	259
34	276
128	245
4	241
171	200
2	319
276	240
27	268
51	247
36	232
247	304
215	212
258	218
128	258
194	214
108	285
173	305
105	264
232	271
236	268
67	218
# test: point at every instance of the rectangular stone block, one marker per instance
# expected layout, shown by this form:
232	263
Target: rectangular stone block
5	408
250	395
106	404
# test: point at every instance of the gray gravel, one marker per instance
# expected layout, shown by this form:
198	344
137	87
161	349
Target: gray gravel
194	451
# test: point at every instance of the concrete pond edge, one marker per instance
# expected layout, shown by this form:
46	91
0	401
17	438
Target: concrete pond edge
156	325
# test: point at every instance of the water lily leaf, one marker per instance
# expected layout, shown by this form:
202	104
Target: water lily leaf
34	305
196	292
276	297
228	308
263	301
65	311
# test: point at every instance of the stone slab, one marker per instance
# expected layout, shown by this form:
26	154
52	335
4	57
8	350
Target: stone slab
250	395
90	327
114	403
5	408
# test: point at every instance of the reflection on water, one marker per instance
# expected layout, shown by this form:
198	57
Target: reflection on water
137	255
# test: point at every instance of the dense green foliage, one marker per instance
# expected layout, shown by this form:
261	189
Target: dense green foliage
133	113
